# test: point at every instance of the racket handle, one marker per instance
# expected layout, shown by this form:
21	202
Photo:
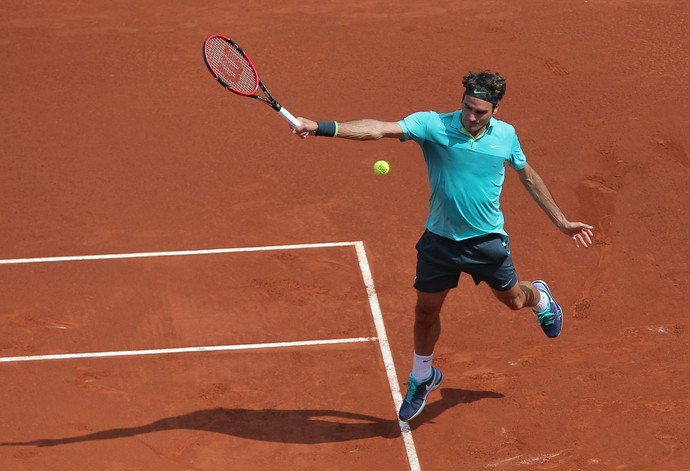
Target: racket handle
288	117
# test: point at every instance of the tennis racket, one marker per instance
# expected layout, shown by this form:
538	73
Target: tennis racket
233	69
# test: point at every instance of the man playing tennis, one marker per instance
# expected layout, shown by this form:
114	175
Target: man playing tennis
465	153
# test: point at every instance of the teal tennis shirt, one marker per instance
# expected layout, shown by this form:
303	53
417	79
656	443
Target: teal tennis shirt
465	173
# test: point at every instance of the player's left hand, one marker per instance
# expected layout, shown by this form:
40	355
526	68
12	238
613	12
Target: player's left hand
580	232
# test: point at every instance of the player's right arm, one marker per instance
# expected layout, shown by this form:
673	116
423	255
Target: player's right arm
360	129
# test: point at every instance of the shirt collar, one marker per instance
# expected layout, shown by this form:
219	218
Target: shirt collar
457	123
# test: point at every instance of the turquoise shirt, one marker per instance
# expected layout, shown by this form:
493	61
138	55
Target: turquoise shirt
465	173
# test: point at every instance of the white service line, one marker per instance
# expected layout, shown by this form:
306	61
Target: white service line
167	351
175	253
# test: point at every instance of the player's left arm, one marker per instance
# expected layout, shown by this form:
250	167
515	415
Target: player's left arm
580	232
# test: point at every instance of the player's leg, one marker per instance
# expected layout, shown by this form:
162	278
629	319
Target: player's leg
435	277
424	378
492	263
537	296
523	294
427	321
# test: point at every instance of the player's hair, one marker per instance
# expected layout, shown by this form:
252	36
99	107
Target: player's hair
486	81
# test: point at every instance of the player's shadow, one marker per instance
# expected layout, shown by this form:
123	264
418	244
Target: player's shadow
274	425
450	397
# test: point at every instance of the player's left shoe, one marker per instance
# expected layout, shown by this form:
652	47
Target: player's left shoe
551	319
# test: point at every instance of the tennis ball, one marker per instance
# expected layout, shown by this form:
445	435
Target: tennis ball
381	167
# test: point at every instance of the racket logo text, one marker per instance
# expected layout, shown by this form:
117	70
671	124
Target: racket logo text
232	70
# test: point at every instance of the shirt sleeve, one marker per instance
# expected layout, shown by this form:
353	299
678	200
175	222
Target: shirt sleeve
414	126
518	159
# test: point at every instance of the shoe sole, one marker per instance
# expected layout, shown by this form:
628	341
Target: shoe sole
559	307
419	411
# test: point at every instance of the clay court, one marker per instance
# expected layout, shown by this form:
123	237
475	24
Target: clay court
189	286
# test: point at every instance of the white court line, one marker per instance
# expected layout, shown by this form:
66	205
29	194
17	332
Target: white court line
368	282
177	253
167	351
386	353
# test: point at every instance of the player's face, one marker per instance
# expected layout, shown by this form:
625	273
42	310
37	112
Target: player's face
476	114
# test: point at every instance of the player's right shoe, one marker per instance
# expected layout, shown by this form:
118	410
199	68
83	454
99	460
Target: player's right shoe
417	391
551	319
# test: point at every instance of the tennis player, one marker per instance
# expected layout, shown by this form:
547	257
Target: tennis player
465	153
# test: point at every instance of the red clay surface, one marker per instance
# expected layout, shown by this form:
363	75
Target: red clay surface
115	139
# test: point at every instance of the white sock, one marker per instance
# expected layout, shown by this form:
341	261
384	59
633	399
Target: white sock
543	302
421	366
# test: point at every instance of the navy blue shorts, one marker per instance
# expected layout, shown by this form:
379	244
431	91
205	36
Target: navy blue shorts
440	261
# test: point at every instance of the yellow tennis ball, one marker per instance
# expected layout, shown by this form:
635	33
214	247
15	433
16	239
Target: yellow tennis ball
382	167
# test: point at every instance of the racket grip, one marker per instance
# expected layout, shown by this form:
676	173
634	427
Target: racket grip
288	117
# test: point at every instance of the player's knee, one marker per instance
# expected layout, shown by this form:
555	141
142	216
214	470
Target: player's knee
426	314
514	302
428	307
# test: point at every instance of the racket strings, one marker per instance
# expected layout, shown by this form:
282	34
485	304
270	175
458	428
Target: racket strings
231	66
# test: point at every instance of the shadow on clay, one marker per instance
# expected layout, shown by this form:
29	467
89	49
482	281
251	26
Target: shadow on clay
282	426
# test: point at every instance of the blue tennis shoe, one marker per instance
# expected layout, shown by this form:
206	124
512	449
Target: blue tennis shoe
551	319
417	391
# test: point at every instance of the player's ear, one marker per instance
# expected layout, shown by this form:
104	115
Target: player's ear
495	109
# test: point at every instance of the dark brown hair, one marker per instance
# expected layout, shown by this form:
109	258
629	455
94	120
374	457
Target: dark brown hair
491	85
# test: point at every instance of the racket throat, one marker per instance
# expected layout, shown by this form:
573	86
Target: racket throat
276	106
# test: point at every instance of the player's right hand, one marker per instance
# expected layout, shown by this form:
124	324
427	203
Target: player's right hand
306	127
